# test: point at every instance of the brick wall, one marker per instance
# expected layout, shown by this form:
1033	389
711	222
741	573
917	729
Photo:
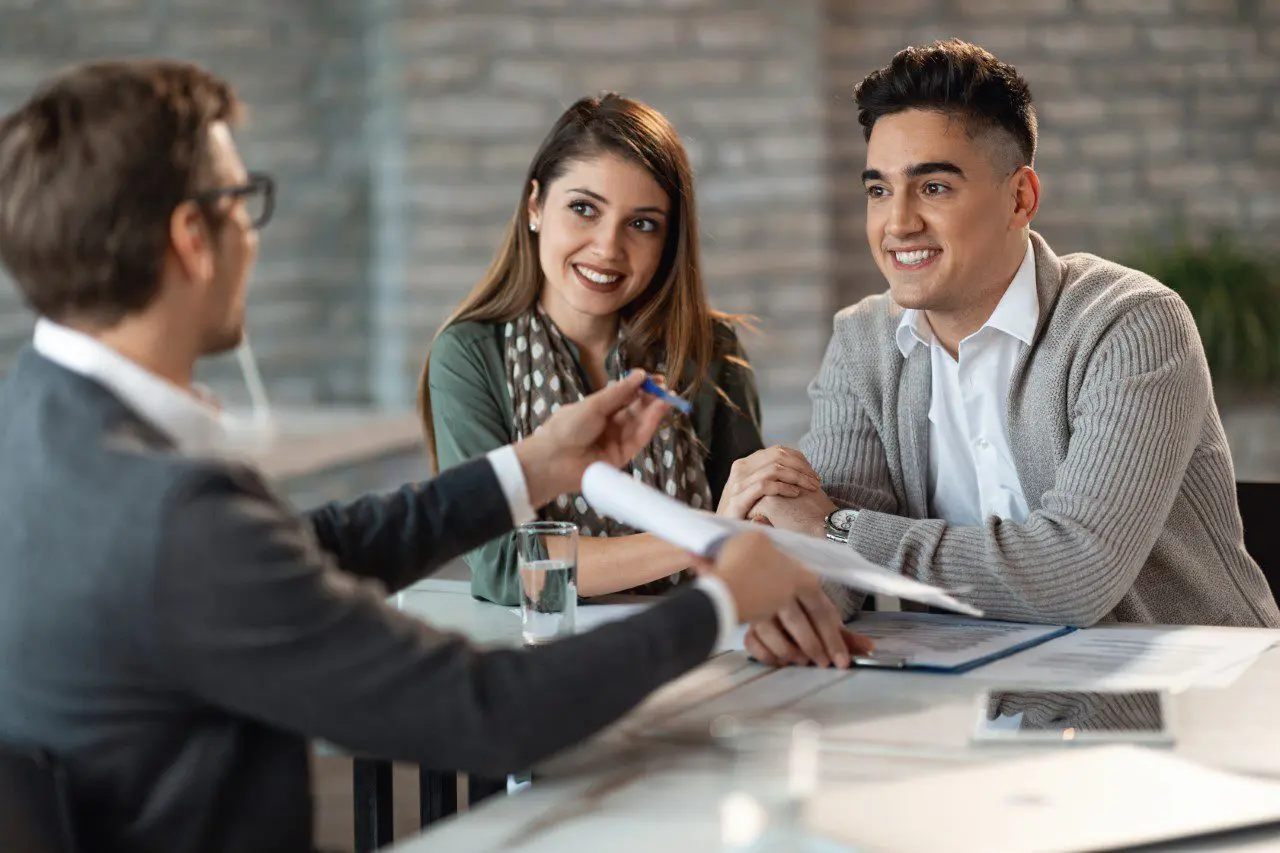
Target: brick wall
300	66
738	80
400	130
1150	110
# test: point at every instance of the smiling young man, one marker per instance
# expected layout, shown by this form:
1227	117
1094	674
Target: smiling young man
1034	430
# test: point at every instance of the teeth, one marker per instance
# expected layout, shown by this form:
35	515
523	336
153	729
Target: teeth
913	258
598	278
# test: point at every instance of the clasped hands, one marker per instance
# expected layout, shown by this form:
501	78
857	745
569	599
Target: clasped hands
778	487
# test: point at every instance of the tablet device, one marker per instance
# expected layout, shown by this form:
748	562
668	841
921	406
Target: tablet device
1073	717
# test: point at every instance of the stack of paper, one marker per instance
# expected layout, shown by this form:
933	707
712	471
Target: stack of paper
613	493
1117	657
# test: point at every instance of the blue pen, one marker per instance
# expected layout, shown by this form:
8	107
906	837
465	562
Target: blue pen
658	391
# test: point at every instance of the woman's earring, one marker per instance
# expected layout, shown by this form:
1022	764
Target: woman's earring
533	226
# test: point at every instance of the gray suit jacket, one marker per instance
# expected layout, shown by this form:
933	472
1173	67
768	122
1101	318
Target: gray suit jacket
173	632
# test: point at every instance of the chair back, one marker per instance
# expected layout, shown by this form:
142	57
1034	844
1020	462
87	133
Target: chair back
35	814
1260	512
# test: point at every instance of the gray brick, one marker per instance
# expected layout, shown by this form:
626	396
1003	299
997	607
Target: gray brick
1224	9
1085	39
1144	108
507	157
844	14
1051	147
1109	147
1228	105
1081	186
864	47
1125	218
1160	139
620	36
1080	110
1267	143
443	71
747	111
694	73
1019	9
461	199
1188	177
1050	78
1211	71
223	38
1258	69
535	76
1130	8
1200	38
1264	211
452	116
117	34
462	33
735	31
1211	208
1002	39
1245	176
784	74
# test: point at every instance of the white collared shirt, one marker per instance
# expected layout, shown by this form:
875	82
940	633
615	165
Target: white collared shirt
972	475
196	429
193	425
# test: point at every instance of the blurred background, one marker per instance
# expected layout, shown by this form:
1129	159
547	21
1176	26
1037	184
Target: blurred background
400	130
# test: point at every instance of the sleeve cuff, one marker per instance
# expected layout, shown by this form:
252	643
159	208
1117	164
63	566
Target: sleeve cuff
506	466
726	608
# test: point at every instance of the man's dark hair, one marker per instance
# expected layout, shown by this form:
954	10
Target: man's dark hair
91	170
954	77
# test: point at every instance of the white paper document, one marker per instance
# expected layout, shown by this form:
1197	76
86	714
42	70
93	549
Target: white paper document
613	493
1133	658
1099	798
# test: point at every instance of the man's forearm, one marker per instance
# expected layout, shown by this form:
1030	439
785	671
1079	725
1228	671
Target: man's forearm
399	537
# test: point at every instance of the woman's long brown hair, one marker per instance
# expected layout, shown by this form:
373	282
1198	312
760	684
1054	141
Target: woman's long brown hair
670	322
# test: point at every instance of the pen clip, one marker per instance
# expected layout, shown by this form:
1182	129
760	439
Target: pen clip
882	661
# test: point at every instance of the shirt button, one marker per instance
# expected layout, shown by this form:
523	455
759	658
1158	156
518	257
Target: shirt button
982	444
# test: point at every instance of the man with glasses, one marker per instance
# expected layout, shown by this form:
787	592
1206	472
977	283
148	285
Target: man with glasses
169	629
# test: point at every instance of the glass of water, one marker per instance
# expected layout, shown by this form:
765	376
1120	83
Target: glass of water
548	557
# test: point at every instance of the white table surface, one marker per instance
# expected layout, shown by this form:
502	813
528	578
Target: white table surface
642	795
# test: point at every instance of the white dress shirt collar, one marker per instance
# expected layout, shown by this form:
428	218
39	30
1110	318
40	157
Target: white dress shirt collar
193	425
1016	315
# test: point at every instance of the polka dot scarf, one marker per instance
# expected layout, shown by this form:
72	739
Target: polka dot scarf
542	376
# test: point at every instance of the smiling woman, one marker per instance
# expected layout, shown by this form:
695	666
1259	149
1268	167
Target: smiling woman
599	272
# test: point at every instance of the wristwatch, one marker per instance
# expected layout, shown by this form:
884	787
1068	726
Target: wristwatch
840	525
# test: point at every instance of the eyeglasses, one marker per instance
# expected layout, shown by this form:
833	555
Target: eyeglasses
259	195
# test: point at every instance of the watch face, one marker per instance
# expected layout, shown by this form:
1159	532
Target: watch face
842	519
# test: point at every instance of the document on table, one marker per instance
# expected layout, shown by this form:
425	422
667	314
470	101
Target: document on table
1134	658
613	493
945	643
1102	798
939	642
